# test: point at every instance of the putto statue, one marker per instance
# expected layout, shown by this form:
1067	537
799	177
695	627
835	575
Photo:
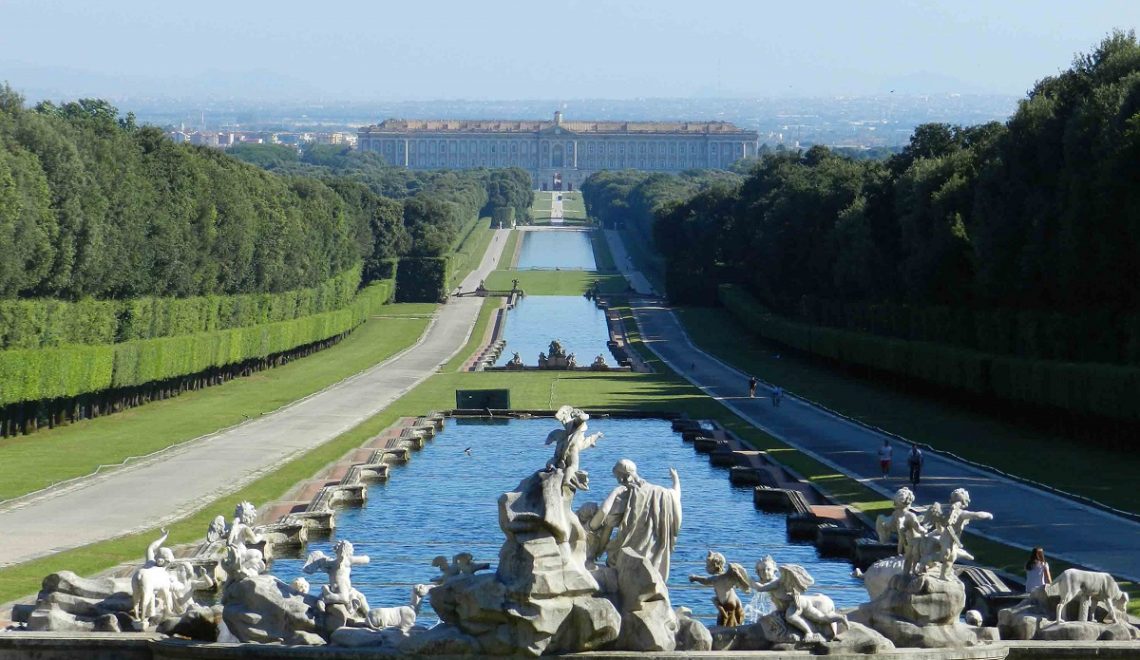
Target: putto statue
647	517
599	364
725	579
942	543
241	560
515	362
569	441
461	564
798	616
339	590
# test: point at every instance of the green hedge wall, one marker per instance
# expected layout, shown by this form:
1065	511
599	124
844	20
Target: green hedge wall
64	371
422	279
1084	388
44	323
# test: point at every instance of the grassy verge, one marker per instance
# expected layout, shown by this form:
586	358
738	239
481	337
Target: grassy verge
29	463
511	249
556	282
1085	469
602	255
467	255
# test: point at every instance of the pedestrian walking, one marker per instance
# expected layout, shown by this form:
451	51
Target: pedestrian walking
885	458
914	462
777	395
752	381
1037	570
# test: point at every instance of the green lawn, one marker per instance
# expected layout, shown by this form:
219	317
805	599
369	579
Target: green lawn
29	463
1082	468
573	208
556	282
510	250
540	208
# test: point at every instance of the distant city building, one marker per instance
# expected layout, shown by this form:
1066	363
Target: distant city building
562	151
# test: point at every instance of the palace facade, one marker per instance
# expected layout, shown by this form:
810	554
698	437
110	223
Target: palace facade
558	151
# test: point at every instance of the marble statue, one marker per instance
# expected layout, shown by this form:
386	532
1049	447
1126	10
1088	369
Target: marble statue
942	544
569	441
647	517
403	617
903	521
160	587
1089	589
461	564
725	578
339	590
555	357
241	559
515	362
1070	609
556	350
812	615
599	364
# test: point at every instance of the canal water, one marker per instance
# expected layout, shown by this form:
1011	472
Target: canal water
575	322
556	249
444	501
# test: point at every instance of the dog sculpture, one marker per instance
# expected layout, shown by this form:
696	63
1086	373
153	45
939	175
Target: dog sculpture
1091	588
403	617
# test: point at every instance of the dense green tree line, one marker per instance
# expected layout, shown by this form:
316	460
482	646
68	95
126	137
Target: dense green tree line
95	206
436	203
1026	232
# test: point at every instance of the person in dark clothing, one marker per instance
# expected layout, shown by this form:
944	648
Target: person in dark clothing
914	462
752	381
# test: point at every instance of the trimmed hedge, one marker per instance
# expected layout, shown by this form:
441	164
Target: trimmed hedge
44	323
67	371
423	279
1097	336
1084	388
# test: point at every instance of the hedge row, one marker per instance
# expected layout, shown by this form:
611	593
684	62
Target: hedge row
1098	336
422	279
42	323
68	371
1084	388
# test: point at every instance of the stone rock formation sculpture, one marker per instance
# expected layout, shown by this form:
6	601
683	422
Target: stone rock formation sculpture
725	579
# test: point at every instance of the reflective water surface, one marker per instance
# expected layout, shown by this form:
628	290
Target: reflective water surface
445	501
574	321
550	249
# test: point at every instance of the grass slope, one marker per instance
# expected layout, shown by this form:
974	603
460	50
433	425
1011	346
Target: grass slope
29	463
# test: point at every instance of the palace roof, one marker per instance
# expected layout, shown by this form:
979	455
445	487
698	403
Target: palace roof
527	126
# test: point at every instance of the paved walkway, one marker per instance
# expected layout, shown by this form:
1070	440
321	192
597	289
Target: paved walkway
556	216
172	484
624	263
1023	515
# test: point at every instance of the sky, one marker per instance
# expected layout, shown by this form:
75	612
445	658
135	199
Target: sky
525	49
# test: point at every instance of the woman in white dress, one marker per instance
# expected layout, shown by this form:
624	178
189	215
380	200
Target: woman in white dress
1037	570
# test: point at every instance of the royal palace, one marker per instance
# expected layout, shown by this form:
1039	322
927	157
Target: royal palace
558	152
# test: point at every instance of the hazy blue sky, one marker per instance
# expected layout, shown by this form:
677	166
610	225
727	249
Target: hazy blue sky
512	49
